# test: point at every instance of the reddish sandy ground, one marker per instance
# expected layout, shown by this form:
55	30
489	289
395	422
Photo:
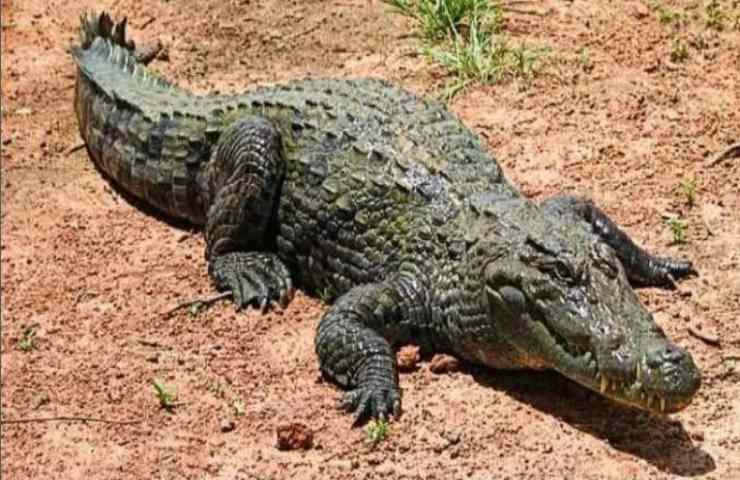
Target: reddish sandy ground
93	274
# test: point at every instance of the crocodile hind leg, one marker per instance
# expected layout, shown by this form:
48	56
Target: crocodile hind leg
244	178
641	267
354	343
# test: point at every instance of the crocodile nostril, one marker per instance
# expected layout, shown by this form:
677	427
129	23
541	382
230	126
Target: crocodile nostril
669	353
673	354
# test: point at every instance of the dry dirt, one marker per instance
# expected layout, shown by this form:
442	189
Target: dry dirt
92	274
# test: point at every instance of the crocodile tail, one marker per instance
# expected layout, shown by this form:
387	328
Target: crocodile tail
108	58
100	25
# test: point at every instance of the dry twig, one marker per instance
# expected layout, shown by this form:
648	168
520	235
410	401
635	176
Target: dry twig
707	337
79	146
69	419
730	152
205	301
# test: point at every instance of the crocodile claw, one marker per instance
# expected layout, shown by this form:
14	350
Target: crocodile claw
254	278
372	402
667	270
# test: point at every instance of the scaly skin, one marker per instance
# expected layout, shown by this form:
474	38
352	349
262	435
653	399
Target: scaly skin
360	190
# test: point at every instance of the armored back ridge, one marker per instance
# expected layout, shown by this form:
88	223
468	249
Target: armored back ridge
389	205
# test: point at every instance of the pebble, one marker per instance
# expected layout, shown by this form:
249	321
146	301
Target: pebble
228	425
408	358
294	436
442	363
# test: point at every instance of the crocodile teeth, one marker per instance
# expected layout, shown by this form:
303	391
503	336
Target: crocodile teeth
604	384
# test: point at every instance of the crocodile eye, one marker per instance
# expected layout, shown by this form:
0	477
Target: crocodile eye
558	267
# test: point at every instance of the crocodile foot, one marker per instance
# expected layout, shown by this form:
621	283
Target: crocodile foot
372	401
666	270
256	278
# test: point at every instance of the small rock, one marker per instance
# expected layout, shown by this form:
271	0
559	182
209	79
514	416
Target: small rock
345	465
442	363
640	10
294	436
227	425
452	437
408	358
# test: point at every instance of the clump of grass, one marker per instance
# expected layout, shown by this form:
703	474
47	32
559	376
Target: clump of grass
687	187
26	343
377	431
678	228
465	37
714	16
669	16
167	396
584	59
239	407
440	18
679	50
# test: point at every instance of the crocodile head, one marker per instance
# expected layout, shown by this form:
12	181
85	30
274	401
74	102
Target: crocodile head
561	300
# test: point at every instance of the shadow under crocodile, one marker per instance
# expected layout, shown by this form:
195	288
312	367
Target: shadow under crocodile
663	442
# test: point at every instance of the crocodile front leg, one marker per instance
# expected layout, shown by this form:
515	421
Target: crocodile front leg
355	338
641	267
244	179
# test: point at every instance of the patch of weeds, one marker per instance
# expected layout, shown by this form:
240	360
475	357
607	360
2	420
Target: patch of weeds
196	308
26	343
487	57
377	431
41	399
730	365
218	389
714	16
583	59
526	61
669	16
441	18
687	188
167	396
679	50
465	37
239	407
678	228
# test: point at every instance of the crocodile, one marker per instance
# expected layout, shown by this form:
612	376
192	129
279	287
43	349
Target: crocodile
387	204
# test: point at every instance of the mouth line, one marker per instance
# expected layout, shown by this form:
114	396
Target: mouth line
632	392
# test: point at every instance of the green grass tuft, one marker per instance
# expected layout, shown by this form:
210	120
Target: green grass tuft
678	228
465	37
714	16
26	343
167	396
687	187
679	50
439	19
377	431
